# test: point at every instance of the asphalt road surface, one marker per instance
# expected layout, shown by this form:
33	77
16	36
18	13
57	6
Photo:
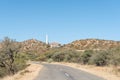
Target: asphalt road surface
60	72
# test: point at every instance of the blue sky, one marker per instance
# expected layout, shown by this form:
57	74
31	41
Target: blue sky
63	20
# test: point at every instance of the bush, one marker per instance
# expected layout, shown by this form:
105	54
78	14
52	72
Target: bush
11	60
100	58
115	56
41	57
72	56
50	60
85	57
20	62
31	56
58	56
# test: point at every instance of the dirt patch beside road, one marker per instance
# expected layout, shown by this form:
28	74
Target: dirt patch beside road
30	73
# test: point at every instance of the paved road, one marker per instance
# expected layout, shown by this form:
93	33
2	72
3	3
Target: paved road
60	72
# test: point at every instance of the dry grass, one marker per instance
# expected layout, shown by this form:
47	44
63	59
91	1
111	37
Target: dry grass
30	73
105	72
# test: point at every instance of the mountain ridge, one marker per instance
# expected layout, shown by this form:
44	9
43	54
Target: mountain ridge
37	46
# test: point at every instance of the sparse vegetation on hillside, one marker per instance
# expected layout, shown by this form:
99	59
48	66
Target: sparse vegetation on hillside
33	46
90	57
93	44
100	58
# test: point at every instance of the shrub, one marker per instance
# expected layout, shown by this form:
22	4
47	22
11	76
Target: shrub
85	57
41	57
115	56
58	56
100	58
10	59
50	60
20	62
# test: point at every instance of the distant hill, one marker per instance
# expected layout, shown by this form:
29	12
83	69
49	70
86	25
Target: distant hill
97	44
38	47
33	45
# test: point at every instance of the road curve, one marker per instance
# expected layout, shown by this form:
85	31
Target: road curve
60	72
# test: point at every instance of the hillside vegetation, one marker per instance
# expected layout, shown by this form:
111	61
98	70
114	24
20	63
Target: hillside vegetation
110	58
93	44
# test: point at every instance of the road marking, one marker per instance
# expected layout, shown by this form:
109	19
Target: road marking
67	74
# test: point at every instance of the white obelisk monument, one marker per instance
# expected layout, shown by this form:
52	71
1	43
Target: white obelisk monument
46	39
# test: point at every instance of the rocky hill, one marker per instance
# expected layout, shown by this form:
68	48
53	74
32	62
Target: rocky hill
33	45
96	44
